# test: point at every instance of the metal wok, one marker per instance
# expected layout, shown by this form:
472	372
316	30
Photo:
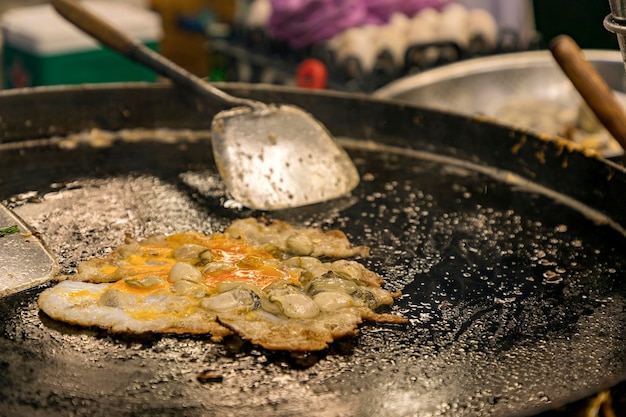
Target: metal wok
508	248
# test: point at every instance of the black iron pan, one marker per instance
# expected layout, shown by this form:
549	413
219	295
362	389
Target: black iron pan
508	248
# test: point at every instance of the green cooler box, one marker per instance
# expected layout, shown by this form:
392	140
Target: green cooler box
41	48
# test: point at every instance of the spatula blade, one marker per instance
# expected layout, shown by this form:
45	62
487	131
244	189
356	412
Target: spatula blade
24	261
279	157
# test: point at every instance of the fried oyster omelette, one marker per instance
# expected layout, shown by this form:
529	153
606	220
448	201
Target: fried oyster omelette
268	283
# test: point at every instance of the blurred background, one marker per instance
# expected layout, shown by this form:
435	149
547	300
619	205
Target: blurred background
361	45
355	46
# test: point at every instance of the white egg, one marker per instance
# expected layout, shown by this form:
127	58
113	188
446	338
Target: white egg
453	25
456	10
258	14
428	15
421	31
393	39
357	44
482	23
400	21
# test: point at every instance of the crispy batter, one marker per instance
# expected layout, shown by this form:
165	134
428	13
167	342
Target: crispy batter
261	281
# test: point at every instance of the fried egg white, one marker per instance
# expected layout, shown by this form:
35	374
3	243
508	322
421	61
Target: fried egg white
263	282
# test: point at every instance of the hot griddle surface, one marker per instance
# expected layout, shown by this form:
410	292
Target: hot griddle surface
515	301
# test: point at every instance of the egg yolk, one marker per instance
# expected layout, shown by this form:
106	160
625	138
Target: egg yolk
238	260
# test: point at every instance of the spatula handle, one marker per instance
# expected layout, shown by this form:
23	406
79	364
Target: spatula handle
591	86
81	17
91	24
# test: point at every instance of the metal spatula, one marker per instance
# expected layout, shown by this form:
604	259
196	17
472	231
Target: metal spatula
269	156
24	260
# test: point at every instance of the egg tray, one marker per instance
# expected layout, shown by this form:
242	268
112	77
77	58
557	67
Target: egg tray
268	59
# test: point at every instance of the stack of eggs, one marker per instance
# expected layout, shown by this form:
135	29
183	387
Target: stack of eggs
455	23
448	22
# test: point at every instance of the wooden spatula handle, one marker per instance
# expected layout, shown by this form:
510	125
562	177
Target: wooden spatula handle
591	86
108	35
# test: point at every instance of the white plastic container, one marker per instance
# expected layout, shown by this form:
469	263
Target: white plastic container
42	48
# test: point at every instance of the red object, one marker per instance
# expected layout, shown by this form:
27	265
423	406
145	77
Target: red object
312	73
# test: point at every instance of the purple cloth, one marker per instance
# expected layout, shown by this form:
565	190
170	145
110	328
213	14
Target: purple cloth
305	22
